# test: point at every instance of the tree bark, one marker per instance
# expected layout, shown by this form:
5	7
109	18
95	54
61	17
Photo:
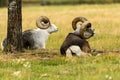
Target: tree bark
14	29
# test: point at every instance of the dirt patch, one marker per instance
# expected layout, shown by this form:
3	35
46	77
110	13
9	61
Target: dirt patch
103	52
45	54
31	55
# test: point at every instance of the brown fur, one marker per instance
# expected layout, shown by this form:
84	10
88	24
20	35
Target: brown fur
73	39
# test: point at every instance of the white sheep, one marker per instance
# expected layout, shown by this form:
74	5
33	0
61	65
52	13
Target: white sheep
36	39
76	43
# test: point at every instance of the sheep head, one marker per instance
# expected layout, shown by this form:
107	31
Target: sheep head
85	30
43	22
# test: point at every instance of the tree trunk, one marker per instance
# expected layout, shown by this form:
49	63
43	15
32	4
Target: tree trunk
14	29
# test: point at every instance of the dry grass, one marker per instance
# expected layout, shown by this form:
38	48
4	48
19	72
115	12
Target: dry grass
104	18
43	54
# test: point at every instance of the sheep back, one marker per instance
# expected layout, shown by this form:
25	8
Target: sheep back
28	41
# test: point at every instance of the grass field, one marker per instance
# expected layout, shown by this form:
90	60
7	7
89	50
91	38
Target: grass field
48	64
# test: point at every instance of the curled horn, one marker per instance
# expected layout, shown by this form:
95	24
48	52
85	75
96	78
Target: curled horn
43	22
76	20
85	24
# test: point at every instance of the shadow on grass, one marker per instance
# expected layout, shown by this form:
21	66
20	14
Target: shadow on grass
45	54
42	54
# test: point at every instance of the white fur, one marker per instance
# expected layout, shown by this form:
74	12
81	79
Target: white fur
41	35
87	34
75	49
77	31
68	53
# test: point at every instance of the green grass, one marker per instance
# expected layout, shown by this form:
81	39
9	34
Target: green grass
48	64
61	68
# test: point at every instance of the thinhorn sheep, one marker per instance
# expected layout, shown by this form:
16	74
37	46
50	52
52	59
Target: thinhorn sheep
36	39
75	43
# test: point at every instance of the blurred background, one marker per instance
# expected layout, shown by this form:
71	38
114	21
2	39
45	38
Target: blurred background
3	3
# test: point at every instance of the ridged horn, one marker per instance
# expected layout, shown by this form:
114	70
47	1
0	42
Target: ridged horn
76	20
85	25
43	22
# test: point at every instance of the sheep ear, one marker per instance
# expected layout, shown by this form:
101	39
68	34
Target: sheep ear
43	22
